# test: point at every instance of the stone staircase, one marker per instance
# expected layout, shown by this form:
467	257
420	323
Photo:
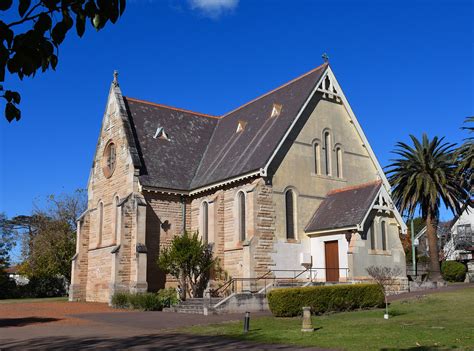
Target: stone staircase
193	306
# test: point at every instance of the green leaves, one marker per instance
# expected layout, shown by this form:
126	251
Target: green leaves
11	111
188	259
43	23
24	53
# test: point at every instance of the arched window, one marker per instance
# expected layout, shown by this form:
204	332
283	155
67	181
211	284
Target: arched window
384	235
116	217
100	222
205	221
317	158
327	152
372	236
242	216
290	214
339	162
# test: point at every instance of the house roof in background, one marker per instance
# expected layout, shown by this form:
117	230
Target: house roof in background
344	208
201	149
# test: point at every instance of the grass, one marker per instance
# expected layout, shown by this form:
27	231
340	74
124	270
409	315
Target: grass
43	299
438	321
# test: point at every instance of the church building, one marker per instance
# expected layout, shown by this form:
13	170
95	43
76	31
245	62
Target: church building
283	183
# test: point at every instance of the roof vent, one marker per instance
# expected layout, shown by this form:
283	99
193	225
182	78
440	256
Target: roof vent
241	126
161	134
276	110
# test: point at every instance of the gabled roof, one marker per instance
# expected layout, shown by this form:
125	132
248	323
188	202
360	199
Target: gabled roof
204	149
344	208
230	154
169	162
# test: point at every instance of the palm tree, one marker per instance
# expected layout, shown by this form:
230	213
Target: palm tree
466	152
424	175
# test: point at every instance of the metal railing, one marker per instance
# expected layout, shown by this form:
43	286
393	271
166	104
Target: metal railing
275	277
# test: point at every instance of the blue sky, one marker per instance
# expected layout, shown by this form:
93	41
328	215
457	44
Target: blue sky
405	66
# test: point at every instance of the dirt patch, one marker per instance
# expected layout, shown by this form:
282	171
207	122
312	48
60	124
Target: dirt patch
58	312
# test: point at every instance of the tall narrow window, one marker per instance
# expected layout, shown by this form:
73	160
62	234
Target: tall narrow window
317	161
372	236
101	222
242	215
290	214
327	152
116	217
339	162
205	222
384	235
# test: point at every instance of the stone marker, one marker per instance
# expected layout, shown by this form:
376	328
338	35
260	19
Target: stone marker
307	324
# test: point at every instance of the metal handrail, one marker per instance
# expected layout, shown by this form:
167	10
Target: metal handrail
232	282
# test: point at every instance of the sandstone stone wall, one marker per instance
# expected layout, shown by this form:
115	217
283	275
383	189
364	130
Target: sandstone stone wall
164	221
117	223
80	262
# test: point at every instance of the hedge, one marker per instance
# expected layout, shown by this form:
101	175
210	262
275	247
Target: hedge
335	298
453	271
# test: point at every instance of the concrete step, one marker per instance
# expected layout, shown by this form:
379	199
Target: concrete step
194	306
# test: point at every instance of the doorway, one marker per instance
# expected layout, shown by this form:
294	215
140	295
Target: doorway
331	250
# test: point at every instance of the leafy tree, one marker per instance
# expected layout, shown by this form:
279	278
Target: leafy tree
51	250
49	235
7	285
189	260
31	41
51	243
466	152
424	176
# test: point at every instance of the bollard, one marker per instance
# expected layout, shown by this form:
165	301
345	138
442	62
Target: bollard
247	322
307	324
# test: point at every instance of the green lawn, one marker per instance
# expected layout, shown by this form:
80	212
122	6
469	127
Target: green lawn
44	299
439	321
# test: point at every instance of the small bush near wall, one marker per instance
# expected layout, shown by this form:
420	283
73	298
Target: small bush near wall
120	300
453	271
168	297
139	301
322	299
145	302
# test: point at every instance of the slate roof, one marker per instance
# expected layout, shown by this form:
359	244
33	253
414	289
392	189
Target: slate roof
204	149
169	163
344	207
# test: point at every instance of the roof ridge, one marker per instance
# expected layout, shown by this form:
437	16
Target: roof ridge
240	107
277	88
172	108
354	187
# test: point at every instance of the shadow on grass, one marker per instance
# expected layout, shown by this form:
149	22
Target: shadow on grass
168	341
20	322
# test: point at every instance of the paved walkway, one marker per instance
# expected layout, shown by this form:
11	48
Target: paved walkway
125	330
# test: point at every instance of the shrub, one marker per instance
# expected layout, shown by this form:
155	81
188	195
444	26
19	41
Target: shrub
168	297
289	302
120	300
44	287
453	271
145	302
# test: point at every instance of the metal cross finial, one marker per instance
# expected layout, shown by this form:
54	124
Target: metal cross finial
115	77
325	57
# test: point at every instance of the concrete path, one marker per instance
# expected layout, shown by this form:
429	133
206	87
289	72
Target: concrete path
139	330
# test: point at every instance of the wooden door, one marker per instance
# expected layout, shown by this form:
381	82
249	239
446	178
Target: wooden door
331	250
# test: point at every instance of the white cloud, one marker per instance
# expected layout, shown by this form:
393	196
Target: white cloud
213	8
